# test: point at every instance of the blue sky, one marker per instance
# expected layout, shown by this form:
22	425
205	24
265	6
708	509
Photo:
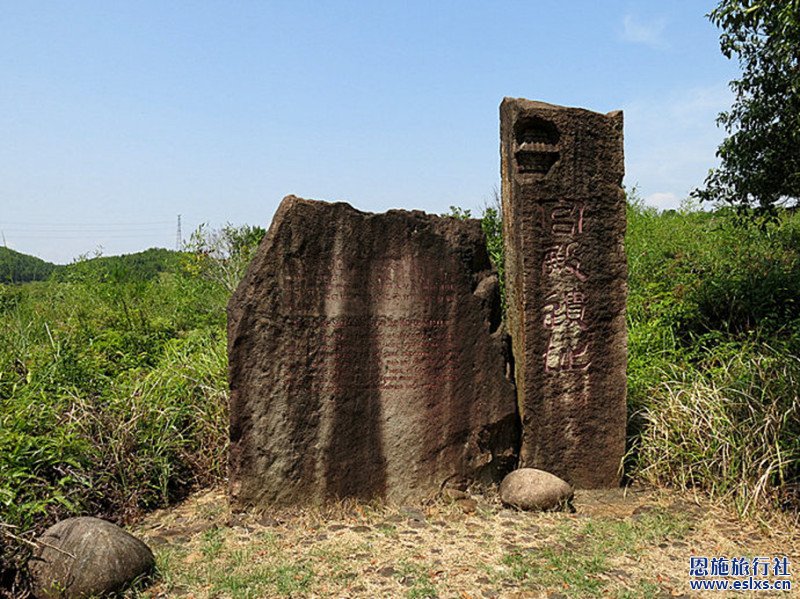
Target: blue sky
115	117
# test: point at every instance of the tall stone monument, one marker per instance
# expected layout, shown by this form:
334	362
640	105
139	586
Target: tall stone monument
366	359
564	227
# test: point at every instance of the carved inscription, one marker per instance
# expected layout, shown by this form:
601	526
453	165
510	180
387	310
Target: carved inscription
565	311
410	349
404	292
363	362
406	345
563	235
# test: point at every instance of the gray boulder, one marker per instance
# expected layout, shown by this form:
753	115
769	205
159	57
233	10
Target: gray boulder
535	490
85	557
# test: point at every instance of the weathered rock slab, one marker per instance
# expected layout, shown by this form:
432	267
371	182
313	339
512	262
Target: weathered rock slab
535	490
87	557
566	286
366	359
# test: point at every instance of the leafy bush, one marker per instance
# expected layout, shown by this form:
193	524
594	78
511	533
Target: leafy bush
222	256
714	339
113	394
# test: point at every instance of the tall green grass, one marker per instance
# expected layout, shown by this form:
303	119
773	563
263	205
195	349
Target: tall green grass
112	398
113	389
714	340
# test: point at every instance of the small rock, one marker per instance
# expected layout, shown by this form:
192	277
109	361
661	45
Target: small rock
468	505
532	489
642	511
394	519
158	541
360	528
180	539
510	515
453	494
82	557
414	514
268	521
622	574
237	520
197	528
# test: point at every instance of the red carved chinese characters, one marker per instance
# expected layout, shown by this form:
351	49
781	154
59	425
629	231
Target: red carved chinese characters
565	311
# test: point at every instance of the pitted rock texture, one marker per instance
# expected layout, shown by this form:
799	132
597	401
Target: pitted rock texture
566	284
87	557
530	489
366	359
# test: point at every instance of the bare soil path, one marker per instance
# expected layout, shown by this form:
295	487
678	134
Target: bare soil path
620	543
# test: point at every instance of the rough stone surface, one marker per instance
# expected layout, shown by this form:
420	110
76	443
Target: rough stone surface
87	557
366	359
531	489
564	226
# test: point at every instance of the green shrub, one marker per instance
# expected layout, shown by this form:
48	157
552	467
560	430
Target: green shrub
714	339
113	395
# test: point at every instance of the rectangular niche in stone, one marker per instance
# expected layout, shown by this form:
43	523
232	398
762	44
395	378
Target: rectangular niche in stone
366	359
564	227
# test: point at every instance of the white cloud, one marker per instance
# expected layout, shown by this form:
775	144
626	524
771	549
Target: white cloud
647	33
663	200
671	142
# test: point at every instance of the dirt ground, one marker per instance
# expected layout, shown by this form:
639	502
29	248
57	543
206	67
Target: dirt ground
618	543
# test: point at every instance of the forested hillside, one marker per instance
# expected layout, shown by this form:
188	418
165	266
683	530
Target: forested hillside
16	267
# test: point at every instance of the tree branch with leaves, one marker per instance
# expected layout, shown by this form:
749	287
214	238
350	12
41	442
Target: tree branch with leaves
760	159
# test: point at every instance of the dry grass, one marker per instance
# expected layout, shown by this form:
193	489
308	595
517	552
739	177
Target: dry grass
731	431
616	544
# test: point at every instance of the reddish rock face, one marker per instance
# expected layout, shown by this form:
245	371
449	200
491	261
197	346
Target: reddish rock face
366	359
564	226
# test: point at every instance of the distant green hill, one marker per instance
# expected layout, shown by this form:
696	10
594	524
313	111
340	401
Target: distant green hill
141	266
16	267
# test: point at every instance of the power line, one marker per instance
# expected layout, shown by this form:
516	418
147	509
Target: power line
42	235
88	232
95	224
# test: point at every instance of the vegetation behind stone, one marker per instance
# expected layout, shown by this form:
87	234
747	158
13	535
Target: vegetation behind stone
113	393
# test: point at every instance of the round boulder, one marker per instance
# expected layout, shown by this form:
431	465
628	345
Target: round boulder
534	490
87	557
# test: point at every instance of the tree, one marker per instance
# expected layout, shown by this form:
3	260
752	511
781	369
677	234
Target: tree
760	159
223	255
